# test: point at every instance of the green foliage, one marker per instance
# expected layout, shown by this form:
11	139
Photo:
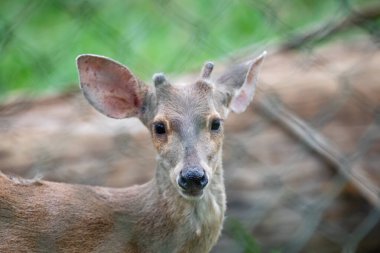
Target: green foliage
40	39
243	236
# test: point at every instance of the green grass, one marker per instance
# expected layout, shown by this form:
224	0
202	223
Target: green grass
243	237
40	39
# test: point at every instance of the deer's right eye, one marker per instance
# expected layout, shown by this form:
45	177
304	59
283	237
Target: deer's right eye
159	128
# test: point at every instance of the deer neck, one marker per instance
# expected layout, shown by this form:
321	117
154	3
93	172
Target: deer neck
157	212
209	208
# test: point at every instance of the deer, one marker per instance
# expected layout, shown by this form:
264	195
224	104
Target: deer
181	209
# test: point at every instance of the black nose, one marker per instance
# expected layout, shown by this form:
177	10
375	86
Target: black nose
192	179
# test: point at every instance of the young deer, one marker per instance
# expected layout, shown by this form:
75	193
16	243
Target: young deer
180	210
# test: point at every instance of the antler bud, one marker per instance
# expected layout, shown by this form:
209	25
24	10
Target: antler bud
159	79
207	69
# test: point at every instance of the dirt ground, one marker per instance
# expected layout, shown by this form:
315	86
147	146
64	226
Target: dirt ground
279	190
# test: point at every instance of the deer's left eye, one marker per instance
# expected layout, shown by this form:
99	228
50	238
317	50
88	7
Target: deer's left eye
215	124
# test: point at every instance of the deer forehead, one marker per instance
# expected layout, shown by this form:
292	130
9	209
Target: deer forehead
187	104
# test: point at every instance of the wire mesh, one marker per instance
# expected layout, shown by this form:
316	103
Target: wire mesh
302	168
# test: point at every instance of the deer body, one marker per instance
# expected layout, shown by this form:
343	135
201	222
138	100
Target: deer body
180	210
55	217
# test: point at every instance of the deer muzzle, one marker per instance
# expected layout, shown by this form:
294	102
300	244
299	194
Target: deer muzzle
192	180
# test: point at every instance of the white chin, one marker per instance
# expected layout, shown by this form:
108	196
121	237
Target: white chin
191	196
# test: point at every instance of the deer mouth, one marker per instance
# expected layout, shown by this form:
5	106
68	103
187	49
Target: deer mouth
191	194
191	191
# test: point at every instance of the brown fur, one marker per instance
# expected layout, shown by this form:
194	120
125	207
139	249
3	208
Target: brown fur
40	216
56	217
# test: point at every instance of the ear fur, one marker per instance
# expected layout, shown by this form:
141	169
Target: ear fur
240	83
110	87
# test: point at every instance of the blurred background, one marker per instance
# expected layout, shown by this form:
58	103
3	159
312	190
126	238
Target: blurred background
302	165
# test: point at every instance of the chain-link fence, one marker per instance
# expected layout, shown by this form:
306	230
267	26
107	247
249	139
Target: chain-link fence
302	166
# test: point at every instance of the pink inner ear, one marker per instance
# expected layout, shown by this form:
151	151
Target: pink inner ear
114	106
239	102
110	87
244	96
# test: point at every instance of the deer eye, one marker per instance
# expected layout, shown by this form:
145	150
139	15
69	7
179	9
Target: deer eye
159	128
215	124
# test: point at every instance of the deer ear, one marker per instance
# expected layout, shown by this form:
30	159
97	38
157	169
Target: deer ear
240	83
110	87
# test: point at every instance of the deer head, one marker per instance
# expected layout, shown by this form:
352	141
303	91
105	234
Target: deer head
185	122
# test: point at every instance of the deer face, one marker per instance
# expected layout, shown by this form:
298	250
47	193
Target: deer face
186	122
187	131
